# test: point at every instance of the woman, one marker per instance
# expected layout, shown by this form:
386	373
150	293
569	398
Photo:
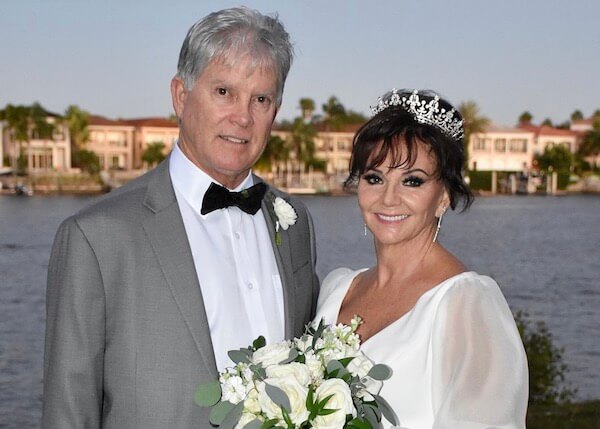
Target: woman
446	332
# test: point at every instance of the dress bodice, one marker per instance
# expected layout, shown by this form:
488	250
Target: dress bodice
456	356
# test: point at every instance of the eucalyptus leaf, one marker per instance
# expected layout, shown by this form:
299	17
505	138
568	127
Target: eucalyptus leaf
278	396
291	357
219	412
238	356
208	394
386	410
371	416
254	424
336	369
233	417
258	371
380	372
373	407
318	333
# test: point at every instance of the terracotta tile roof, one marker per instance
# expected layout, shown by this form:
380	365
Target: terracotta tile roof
545	130
153	122
138	122
102	121
589	121
346	128
321	128
497	128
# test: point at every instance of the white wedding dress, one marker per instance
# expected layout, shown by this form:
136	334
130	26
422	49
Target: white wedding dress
457	359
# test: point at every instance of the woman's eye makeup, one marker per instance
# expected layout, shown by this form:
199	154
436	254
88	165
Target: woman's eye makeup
372	178
413	181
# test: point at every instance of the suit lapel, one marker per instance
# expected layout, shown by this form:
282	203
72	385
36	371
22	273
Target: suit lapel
283	257
166	233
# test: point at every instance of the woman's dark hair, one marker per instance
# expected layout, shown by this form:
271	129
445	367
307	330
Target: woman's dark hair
395	132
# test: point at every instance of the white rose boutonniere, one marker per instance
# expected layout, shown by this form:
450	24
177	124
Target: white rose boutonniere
286	216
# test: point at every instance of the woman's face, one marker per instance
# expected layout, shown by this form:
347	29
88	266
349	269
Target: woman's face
400	205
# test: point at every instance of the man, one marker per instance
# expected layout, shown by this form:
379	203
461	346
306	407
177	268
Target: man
151	286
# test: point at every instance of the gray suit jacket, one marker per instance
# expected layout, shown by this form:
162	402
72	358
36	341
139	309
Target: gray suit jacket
127	339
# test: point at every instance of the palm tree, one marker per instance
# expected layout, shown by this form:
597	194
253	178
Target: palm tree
473	122
307	106
334	113
525	118
275	151
576	116
23	123
154	153
590	145
303	144
77	122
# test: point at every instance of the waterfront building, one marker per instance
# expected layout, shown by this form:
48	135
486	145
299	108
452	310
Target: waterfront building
334	148
151	131
581	128
499	148
545	136
120	143
112	141
38	153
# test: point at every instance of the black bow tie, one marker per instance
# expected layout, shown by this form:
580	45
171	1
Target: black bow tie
248	200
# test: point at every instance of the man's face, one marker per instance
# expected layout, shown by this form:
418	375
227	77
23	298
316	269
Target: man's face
226	118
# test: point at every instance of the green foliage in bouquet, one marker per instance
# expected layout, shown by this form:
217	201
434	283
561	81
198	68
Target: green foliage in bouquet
319	380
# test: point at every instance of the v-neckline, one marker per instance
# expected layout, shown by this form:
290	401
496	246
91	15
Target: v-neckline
404	315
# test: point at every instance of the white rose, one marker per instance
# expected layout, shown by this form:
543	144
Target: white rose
271	354
296	370
286	215
251	402
296	394
340	401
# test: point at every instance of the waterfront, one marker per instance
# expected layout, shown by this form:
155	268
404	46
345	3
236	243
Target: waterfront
541	250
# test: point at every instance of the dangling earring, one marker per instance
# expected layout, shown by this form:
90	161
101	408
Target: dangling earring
439	226
365	229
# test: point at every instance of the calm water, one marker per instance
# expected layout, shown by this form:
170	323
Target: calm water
543	251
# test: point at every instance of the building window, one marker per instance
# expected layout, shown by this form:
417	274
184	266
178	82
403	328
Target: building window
517	145
500	145
480	145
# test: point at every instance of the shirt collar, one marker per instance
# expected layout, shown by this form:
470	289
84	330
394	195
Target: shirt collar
191	182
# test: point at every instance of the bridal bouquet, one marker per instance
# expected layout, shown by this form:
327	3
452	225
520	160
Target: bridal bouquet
320	380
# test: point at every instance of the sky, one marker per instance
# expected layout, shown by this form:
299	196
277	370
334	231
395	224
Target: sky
116	58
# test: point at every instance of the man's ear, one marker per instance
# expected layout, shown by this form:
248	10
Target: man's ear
178	95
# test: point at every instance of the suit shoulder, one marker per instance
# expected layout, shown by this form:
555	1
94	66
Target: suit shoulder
118	203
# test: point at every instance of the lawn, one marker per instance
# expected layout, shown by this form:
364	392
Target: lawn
581	415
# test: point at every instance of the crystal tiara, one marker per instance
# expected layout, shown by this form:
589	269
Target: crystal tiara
424	112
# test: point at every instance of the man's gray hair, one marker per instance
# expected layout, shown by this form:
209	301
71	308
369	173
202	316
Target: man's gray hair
230	34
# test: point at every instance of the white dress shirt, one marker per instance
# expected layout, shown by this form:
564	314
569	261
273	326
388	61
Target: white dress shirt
235	264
